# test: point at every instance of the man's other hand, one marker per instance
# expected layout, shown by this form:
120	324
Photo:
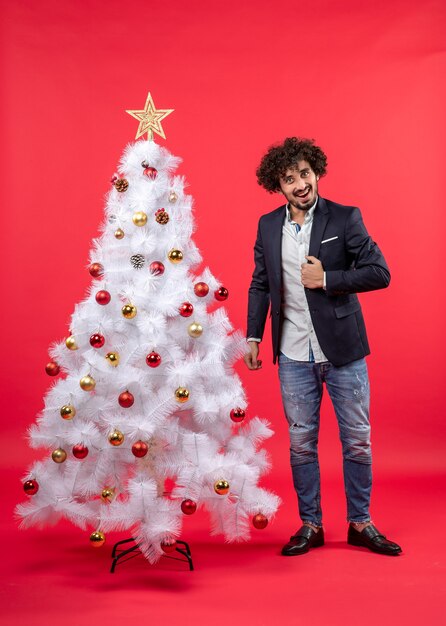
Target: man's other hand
250	358
312	273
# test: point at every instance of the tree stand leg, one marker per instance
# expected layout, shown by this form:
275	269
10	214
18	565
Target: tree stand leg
120	555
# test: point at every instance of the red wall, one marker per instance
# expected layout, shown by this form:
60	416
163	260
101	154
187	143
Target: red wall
365	80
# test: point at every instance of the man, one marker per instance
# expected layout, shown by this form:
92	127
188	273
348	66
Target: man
312	256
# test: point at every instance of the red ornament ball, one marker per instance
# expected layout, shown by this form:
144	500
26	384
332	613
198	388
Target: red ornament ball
150	172
157	268
103	297
169	546
188	507
97	340
237	415
96	270
126	399
52	368
153	359
260	521
221	294
114	178
80	451
140	449
186	309
31	487
201	290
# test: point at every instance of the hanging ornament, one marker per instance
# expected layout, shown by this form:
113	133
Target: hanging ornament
188	507
116	438
87	383
145	164
121	184
169	546
67	411
140	449
221	487
126	399
103	297
186	309
161	216
119	233
31	487
52	368
201	290
150	172
97	340
59	455
79	451
71	344
112	358
139	218
129	311
221	294
137	260
107	494
157	268
237	415
114	178
195	330
96	270
111	219
182	395
260	521
173	197
175	256
153	359
97	539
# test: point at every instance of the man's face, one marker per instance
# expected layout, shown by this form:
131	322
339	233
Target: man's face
299	185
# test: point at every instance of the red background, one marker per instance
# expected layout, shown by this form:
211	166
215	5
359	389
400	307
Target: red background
367	82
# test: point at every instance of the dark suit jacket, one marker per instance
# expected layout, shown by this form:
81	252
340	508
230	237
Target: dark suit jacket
352	262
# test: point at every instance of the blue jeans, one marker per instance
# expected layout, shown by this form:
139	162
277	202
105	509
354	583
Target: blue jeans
348	387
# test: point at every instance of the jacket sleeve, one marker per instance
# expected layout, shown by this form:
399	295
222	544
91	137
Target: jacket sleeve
258	296
368	270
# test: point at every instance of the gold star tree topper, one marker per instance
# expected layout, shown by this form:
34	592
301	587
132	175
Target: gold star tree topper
150	119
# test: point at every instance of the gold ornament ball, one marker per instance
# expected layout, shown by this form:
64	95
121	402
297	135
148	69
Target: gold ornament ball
221	487
173	197
67	411
175	256
182	394
59	455
97	539
195	330
87	383
113	358
129	311
107	495
119	233
71	344
139	218
116	438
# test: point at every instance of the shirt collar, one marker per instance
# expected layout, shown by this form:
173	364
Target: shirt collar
308	215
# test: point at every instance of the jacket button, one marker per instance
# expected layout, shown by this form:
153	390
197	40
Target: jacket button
277	312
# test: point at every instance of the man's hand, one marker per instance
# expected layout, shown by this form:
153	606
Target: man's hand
312	273
251	360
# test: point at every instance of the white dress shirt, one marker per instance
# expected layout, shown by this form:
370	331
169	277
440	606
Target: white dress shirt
298	340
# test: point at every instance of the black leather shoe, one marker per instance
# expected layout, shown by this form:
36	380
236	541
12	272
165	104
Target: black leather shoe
371	538
303	540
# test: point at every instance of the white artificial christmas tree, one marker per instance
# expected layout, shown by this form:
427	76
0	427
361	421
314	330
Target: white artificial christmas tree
149	391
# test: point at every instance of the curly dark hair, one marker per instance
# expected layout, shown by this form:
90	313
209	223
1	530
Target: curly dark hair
281	157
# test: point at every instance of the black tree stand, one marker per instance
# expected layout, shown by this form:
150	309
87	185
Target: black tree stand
121	555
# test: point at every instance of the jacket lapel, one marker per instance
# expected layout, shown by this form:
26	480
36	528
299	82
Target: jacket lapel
320	219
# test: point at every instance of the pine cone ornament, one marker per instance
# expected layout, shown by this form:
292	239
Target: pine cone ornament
161	216
137	260
121	184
